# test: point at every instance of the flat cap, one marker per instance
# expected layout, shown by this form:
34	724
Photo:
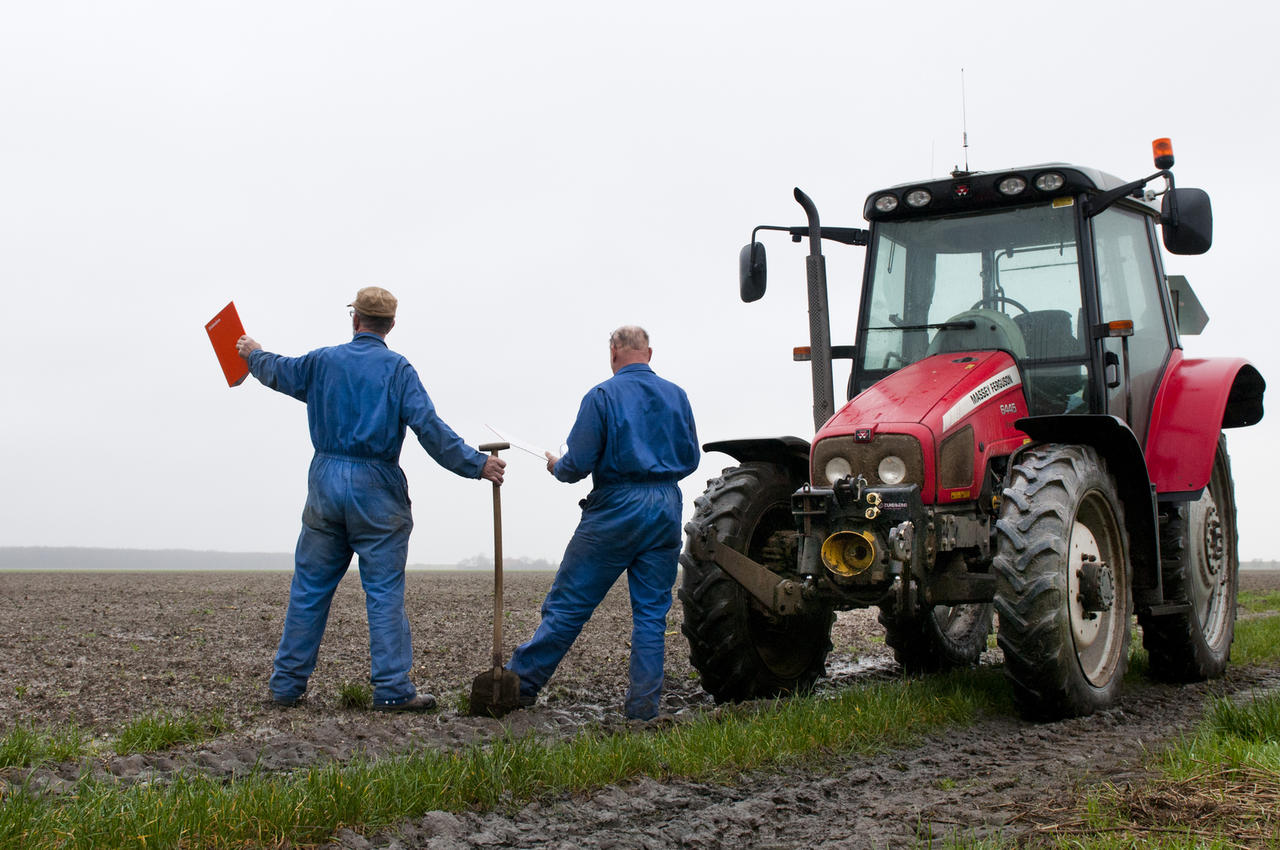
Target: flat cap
375	301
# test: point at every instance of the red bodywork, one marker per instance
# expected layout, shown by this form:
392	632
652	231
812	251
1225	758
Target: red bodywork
935	397
1185	420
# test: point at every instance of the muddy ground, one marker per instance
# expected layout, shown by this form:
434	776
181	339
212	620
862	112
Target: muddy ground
100	648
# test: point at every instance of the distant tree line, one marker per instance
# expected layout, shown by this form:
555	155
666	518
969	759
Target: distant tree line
484	561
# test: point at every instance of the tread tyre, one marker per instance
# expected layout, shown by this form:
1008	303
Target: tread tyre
945	637
1060	510
1199	564
738	651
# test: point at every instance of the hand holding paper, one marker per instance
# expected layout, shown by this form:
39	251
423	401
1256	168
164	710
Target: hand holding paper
225	332
246	345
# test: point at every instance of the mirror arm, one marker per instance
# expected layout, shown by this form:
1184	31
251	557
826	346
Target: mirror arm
844	235
1100	203
1173	201
760	227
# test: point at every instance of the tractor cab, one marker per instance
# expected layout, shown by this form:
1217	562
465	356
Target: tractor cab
1023	261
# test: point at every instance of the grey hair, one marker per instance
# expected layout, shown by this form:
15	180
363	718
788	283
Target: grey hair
629	338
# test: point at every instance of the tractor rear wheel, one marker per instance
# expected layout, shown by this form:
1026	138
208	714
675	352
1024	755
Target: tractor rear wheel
1062	583
742	651
1199	564
944	637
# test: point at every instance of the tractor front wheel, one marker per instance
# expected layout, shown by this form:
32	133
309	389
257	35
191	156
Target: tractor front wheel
1199	563
1062	583
741	650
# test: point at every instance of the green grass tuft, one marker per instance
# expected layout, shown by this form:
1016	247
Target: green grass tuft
356	695
25	746
1257	721
159	731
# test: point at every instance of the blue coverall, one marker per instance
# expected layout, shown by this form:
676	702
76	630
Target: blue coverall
635	436
359	397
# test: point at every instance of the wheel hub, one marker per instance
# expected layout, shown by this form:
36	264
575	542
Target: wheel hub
1097	586
1214	542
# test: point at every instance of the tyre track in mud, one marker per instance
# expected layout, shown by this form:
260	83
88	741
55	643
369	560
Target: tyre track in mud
100	648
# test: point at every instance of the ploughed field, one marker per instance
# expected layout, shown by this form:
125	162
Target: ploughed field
98	649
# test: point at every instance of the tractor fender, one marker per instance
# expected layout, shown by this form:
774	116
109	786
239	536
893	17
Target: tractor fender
1197	398
791	453
1112	438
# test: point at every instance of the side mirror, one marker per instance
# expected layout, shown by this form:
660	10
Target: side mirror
751	272
1194	231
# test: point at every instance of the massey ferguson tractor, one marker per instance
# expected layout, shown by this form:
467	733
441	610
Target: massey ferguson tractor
1023	436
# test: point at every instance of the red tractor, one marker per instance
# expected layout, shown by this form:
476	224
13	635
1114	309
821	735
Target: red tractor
1023	435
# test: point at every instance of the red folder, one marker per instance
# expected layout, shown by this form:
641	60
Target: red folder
225	330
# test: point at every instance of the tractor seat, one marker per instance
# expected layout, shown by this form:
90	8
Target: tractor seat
991	330
1047	334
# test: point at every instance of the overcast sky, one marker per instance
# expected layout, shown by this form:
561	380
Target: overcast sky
525	178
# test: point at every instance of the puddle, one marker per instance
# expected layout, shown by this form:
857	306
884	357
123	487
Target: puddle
840	671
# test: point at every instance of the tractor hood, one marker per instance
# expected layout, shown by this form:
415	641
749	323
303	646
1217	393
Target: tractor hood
974	395
938	392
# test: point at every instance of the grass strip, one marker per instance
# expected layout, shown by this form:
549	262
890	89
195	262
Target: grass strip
1259	601
308	806
1257	641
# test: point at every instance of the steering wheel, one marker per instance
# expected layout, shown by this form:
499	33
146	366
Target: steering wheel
995	301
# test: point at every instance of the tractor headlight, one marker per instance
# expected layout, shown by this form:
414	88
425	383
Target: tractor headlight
918	198
887	460
1011	186
892	470
838	468
1050	181
887	203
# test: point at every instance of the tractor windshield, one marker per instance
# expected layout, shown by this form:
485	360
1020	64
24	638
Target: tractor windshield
1007	279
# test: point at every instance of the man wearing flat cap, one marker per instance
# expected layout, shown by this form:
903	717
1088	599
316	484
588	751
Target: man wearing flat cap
360	397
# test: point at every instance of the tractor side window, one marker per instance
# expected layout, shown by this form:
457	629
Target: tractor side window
883	349
1128	290
1039	285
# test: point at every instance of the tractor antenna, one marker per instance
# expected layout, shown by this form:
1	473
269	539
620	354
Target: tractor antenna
964	121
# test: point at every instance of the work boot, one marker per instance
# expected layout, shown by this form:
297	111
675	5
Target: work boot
420	702
285	702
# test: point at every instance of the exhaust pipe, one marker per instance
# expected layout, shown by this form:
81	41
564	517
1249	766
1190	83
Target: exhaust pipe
819	319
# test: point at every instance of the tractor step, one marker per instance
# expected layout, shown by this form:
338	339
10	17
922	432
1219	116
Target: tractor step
1169	609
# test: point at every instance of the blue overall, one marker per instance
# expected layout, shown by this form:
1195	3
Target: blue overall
635	436
360	397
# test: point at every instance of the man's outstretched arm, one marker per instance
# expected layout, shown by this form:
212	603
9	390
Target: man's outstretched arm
287	375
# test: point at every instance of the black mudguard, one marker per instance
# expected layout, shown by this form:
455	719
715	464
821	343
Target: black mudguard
1112	438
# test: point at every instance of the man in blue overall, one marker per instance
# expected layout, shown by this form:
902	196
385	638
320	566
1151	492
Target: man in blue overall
635	436
359	397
